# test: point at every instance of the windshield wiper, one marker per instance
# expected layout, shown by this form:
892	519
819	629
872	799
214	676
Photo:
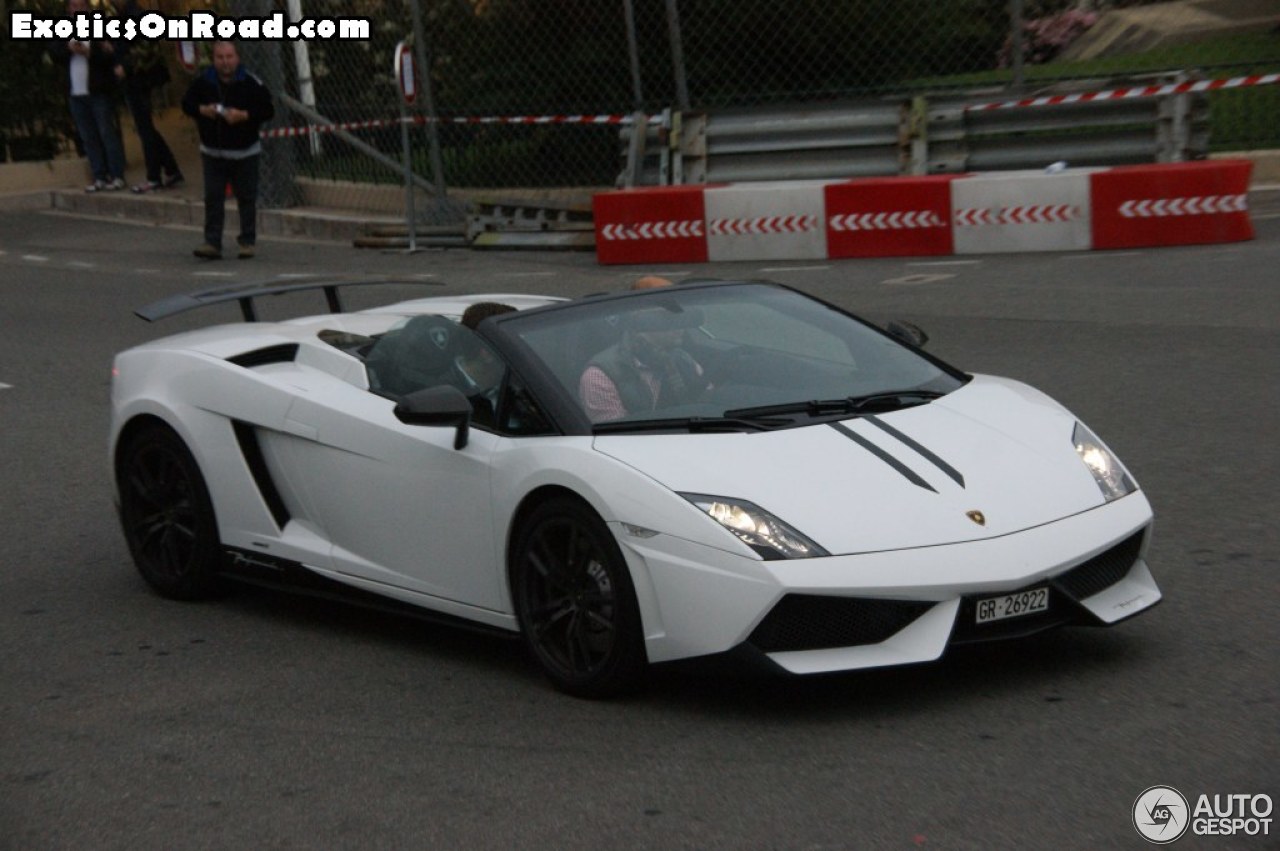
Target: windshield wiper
692	424
849	405
893	400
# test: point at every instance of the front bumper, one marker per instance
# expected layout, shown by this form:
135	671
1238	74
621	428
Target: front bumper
889	608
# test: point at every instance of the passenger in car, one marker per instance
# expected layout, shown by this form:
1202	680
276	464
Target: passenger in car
647	369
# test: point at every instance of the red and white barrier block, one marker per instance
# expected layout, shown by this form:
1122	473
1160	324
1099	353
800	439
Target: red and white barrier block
1022	211
1075	209
1171	204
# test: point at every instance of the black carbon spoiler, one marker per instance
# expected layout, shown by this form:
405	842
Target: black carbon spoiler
246	293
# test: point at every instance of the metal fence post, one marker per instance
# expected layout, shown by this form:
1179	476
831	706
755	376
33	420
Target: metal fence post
1015	41
428	98
278	187
915	134
1173	124
677	57
634	50
302	64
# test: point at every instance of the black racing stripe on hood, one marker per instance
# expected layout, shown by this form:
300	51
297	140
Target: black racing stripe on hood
905	471
952	473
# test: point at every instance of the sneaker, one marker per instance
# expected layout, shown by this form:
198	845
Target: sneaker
145	187
115	185
245	252
96	186
205	251
172	181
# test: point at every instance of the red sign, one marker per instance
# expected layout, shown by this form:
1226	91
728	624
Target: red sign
405	73
1171	204
188	57
889	217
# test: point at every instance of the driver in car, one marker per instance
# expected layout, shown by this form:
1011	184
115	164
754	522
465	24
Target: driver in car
647	369
478	368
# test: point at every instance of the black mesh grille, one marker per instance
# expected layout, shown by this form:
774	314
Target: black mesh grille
1102	571
282	353
809	622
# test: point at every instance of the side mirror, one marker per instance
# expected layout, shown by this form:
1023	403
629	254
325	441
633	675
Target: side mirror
437	406
907	332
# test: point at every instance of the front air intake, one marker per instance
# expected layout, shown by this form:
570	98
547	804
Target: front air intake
1102	571
811	622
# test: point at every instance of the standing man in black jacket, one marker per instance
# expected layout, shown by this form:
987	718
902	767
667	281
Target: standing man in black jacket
229	105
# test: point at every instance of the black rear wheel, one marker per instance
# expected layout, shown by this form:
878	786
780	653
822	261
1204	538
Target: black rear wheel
576	603
167	515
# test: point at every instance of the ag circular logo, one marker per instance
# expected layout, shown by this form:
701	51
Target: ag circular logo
1161	815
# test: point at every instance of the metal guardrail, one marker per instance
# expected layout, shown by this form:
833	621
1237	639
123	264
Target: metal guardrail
918	136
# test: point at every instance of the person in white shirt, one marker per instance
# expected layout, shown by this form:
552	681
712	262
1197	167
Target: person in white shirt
92	78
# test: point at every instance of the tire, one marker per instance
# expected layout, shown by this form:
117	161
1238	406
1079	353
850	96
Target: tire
167	515
575	602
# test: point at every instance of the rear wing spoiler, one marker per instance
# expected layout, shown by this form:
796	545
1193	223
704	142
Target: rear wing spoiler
246	293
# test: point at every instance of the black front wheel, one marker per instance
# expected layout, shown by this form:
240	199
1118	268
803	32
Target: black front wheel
576	603
167	515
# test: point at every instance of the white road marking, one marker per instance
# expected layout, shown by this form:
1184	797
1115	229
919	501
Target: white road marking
286	276
213	274
35	258
772	269
524	274
6	386
945	263
914	280
425	276
1090	255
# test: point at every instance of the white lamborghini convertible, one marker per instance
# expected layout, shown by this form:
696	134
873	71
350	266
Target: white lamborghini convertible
624	479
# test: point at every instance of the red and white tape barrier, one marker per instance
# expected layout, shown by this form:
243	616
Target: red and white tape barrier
378	123
1132	92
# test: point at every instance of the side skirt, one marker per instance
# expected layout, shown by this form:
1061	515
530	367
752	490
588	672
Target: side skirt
280	574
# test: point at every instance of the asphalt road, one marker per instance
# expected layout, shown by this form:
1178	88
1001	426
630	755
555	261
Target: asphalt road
265	721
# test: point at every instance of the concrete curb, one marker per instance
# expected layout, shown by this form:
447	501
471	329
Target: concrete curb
174	210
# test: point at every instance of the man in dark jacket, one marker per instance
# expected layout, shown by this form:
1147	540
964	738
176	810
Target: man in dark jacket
646	370
91	71
229	105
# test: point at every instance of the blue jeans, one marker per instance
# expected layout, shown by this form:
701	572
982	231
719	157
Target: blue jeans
95	119
242	176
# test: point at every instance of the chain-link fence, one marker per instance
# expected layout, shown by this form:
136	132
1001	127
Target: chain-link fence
507	77
547	60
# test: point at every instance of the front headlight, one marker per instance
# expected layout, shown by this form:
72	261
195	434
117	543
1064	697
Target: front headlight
759	529
1112	478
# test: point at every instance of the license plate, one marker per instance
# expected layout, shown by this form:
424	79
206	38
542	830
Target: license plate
1013	605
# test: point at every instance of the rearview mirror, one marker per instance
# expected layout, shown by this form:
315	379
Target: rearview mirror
907	332
443	405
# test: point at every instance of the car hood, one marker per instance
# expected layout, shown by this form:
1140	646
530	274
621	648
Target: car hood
909	478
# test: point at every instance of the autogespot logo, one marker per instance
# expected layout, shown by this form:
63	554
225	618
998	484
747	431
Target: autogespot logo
1161	815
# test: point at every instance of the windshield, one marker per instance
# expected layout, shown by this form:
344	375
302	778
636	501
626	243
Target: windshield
746	355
